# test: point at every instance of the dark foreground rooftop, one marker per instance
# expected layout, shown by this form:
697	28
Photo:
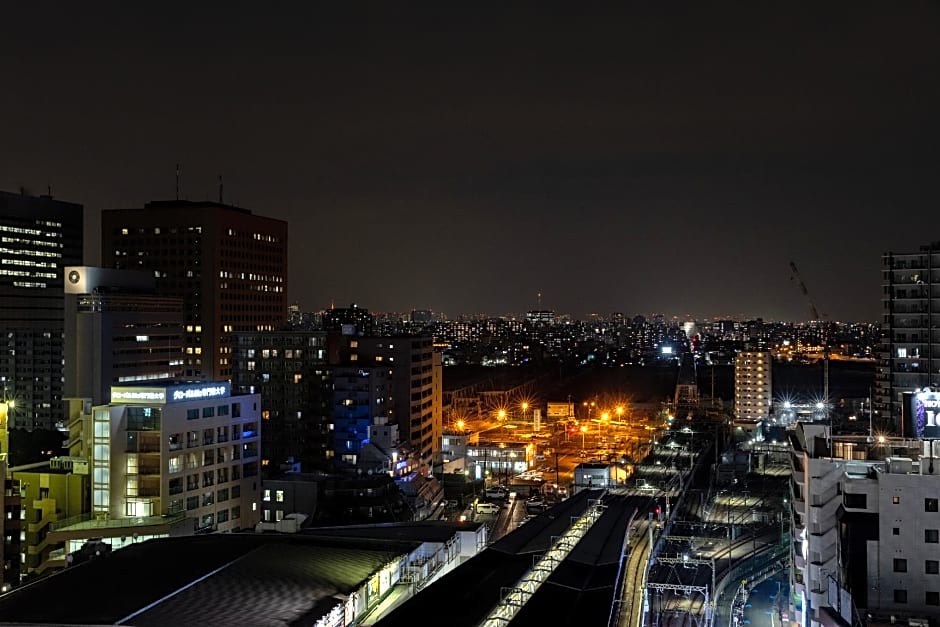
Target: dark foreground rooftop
226	579
580	591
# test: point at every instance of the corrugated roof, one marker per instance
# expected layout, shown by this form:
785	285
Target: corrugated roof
230	579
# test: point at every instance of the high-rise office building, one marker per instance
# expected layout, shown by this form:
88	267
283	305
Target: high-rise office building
118	332
910	355
228	265
752	386
39	236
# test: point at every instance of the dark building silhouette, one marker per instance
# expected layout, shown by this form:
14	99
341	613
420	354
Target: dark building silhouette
39	236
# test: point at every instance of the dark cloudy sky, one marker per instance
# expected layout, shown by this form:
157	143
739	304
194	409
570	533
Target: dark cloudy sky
637	157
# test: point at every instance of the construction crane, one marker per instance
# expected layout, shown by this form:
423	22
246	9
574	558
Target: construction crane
825	333
796	275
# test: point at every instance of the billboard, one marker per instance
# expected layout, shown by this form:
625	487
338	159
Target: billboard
560	410
922	414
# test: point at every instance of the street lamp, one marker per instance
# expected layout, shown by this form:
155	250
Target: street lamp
525	406
583	431
460	424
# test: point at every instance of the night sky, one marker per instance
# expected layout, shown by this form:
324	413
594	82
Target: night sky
636	157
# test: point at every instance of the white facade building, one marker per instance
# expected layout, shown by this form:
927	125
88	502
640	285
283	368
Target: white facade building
164	450
865	527
753	390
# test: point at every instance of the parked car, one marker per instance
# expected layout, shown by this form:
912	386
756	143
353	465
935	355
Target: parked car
496	492
535	504
487	508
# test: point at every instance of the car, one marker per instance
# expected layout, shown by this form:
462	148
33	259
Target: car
535	504
540	457
487	508
496	492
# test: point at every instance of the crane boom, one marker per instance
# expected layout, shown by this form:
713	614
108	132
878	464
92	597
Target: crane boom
825	340
812	306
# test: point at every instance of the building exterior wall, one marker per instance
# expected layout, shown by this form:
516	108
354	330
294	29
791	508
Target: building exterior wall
361	399
866	520
752	386
290	371
910	326
48	497
154	455
228	265
118	332
39	236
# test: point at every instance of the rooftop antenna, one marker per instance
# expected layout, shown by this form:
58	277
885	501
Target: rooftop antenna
220	189
871	431
177	181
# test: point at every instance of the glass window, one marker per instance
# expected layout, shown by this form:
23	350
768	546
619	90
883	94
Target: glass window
931	536
192	414
932	567
900	565
267	495
932	597
931	505
280	496
900	596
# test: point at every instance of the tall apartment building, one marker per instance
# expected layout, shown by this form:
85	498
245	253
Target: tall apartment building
416	389
910	355
39	236
118	332
752	386
289	370
865	524
228	265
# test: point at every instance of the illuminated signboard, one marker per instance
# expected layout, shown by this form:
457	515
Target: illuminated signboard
174	394
138	395
195	393
924	415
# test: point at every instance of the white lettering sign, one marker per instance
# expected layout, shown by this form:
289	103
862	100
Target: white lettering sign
197	393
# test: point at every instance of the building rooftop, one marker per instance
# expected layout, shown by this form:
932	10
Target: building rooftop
579	591
224	579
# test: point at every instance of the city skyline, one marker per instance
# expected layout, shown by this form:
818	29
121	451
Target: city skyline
633	159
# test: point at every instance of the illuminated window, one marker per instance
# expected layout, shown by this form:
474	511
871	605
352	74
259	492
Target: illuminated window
267	495
279	495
